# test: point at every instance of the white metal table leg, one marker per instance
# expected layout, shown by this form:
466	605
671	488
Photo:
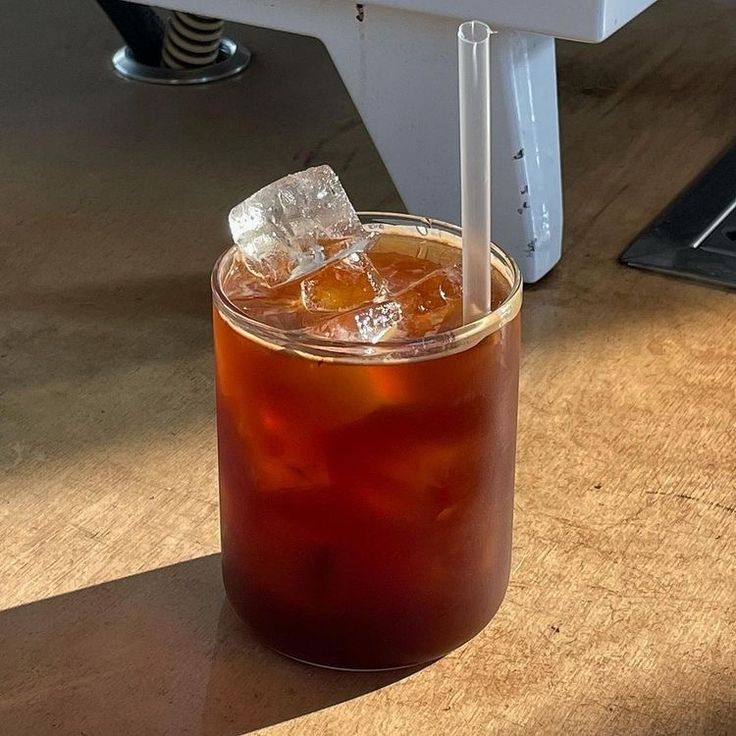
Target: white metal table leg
400	68
527	187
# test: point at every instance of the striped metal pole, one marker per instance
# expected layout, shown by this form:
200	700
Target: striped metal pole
191	41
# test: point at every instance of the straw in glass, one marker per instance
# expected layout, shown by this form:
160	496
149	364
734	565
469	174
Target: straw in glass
475	165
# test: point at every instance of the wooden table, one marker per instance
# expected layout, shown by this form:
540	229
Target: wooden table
621	611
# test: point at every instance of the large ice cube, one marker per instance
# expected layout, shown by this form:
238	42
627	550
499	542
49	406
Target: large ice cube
343	285
295	225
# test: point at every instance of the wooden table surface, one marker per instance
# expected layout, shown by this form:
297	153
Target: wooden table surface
621	610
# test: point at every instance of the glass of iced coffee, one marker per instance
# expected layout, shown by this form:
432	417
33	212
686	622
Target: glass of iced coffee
366	441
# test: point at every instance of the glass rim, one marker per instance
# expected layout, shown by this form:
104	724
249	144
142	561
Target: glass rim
393	350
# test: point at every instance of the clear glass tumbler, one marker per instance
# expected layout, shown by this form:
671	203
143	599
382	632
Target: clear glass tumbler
366	491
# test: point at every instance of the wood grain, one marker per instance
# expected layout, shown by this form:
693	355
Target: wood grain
621	611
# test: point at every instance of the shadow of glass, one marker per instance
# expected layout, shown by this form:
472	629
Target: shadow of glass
156	653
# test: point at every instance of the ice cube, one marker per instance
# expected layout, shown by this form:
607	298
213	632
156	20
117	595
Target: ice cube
295	225
239	283
400	271
431	305
278	307
343	285
371	323
404	260
282	308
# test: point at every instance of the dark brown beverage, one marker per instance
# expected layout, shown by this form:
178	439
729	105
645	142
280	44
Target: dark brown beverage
366	485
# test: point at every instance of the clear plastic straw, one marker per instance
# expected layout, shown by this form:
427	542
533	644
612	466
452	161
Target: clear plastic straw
474	42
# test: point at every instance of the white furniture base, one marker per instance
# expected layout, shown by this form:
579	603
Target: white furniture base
398	60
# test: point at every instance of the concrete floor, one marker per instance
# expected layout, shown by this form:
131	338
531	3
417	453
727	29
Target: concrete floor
113	205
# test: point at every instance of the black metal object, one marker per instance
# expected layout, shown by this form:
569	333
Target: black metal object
141	29
696	236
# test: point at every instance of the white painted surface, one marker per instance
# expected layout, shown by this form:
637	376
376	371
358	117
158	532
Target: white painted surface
580	20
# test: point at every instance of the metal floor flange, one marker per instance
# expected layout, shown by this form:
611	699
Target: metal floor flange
232	60
696	236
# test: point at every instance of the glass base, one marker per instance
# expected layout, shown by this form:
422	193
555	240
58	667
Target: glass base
334	668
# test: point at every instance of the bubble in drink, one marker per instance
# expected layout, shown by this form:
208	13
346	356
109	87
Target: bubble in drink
295	225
